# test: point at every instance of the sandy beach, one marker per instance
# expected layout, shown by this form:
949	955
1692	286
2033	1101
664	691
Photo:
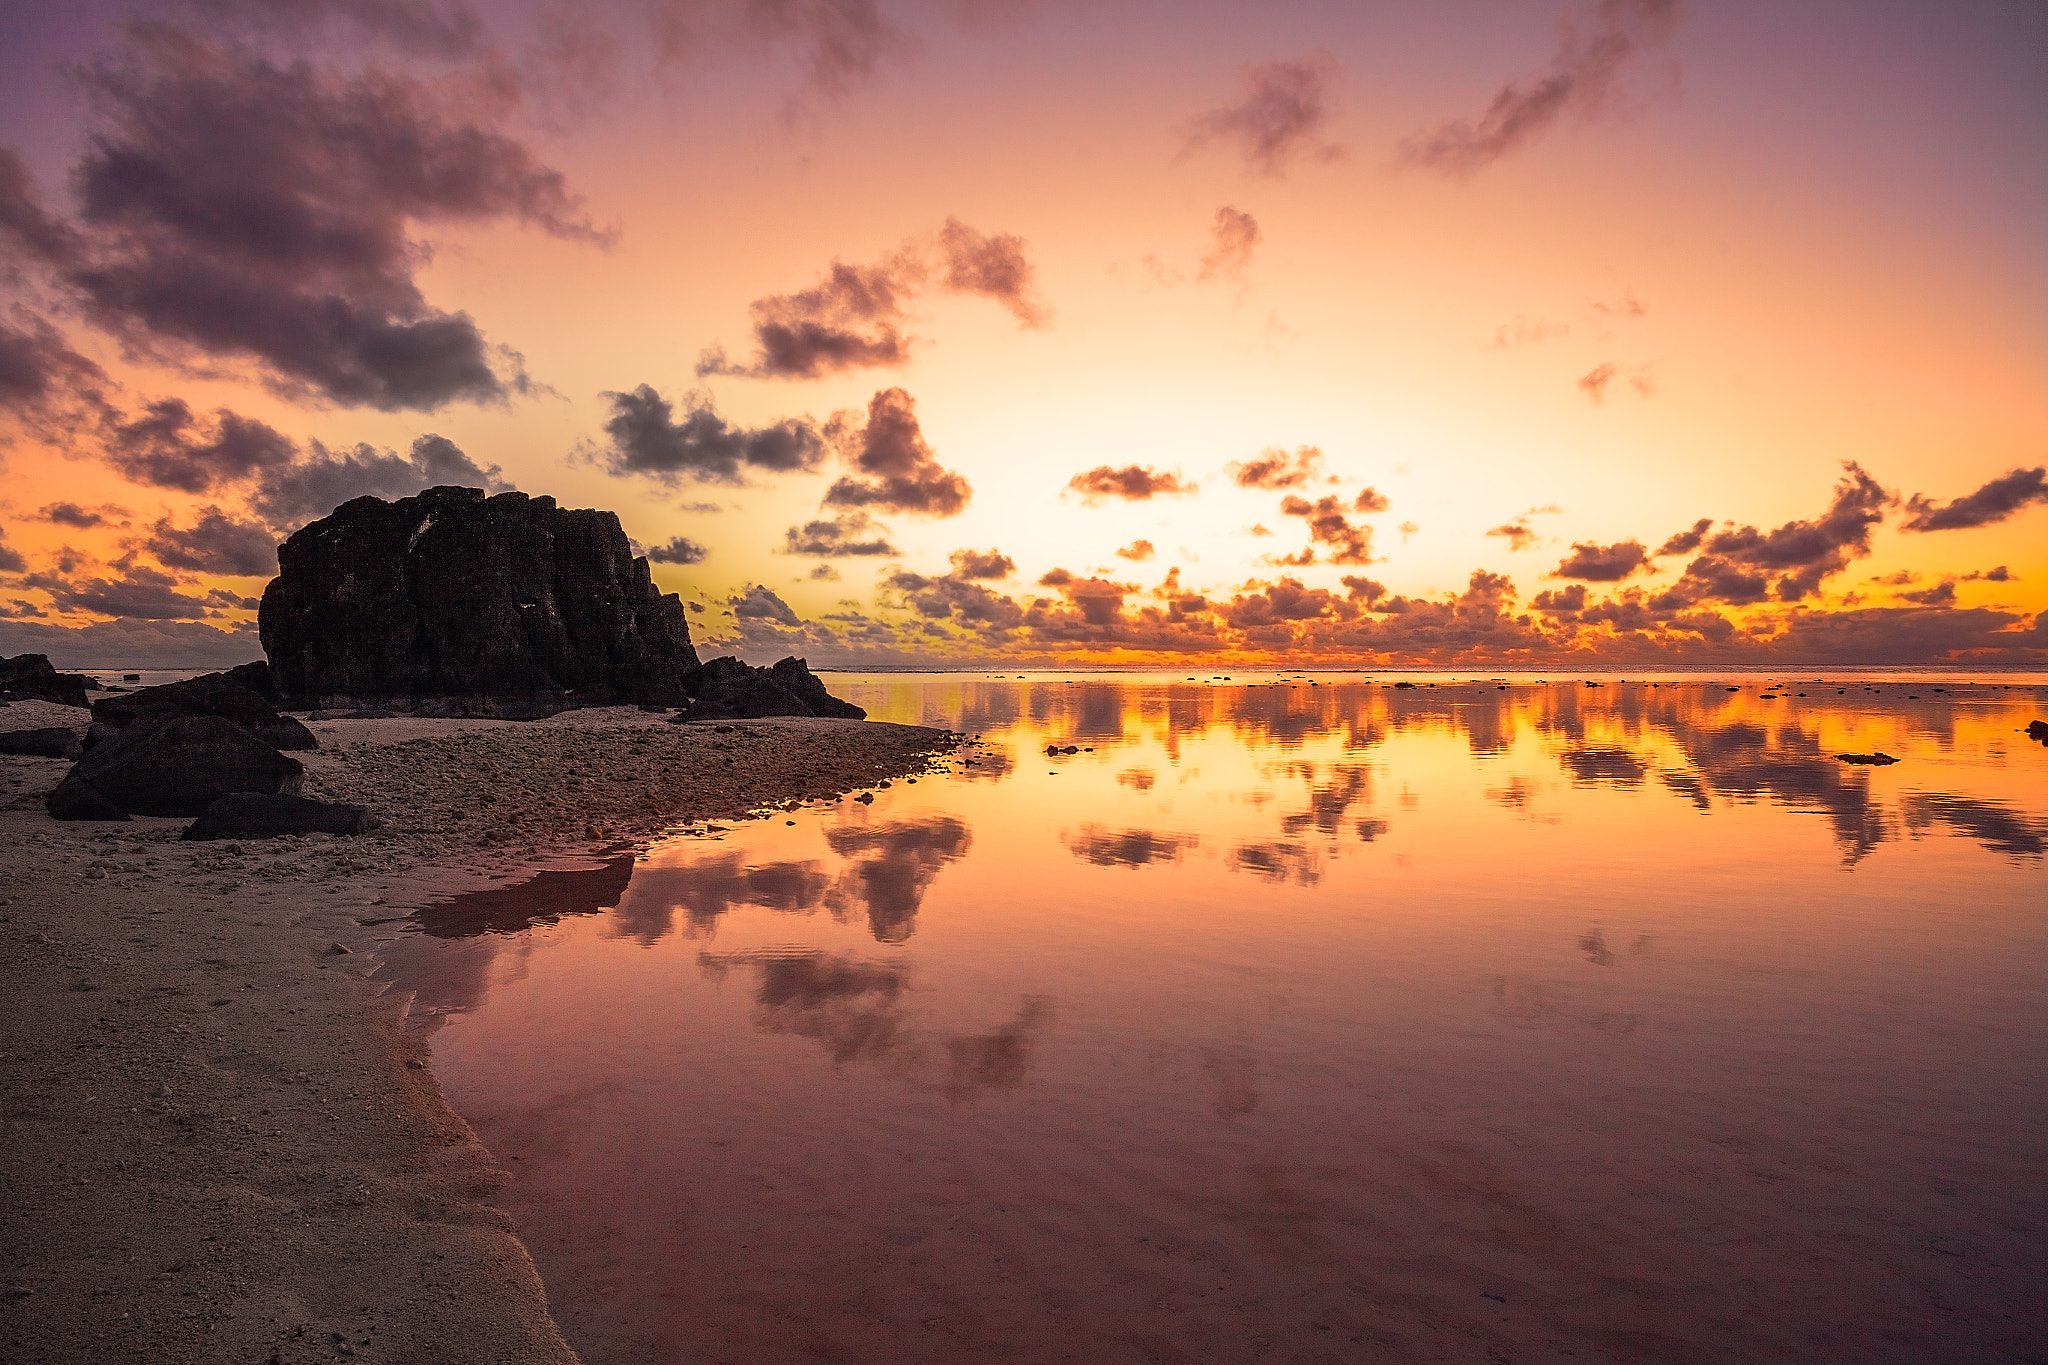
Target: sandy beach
223	1145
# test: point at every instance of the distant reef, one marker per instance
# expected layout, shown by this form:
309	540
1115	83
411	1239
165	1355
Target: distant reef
457	604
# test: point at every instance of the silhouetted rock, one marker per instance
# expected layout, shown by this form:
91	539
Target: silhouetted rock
452	603
212	694
177	765
2038	730
727	689
55	741
254	815
1877	760
257	678
30	675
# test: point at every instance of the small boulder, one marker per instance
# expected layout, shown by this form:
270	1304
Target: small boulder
2037	730
32	676
261	815
177	765
1876	760
726	689
76	799
211	694
54	741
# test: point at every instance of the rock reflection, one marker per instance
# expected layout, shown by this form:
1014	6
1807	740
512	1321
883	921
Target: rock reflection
1127	848
1998	828
893	866
544	898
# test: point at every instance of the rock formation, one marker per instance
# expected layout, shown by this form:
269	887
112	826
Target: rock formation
255	815
176	765
727	689
211	694
50	741
453	603
31	676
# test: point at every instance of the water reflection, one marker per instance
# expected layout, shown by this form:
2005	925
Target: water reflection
891	866
1127	848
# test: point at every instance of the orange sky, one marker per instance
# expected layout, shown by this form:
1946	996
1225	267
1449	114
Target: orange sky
1542	277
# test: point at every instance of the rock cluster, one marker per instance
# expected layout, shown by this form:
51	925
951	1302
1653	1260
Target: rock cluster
454	603
171	765
726	689
32	676
238	696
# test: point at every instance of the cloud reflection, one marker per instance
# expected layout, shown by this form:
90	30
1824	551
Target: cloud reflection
1126	848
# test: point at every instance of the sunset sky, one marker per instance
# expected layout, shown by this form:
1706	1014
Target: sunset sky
1484	332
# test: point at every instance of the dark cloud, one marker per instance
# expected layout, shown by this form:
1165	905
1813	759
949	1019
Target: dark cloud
1940	595
1138	551
1518	533
1370	499
1685	542
169	447
10	558
854	317
215	543
1099	601
71	514
38	369
1236	235
1276	469
824	573
1132	483
1360	589
140	592
288	496
237	208
1287	600
954	598
1738	564
1591	56
1282	116
681	550
30	232
1328	525
1561	600
845	41
993	267
894	467
1593	563
1127	848
839	537
850	320
990	563
423	29
2003	497
759	603
2001	574
647	439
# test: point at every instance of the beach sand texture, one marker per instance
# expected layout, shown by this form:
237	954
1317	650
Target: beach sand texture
221	1143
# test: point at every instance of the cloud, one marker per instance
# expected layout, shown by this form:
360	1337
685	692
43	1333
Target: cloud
1328	525
84	518
758	602
140	591
34	234
133	644
1581	78
1287	600
1685	542
37	368
824	573
1138	551
839	536
1738	563
422	29
1276	469
854	318
982	564
1522	332
647	439
1099	601
2001	574
1370	499
993	267
2003	497
168	447
894	467
1940	595
1603	563
10	558
1518	533
288	496
1593	383
1560	600
681	550
1132	483
216	543
1236	234
954	598
235	208
1282	116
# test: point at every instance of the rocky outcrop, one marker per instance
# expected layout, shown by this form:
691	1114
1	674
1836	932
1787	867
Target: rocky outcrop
727	689
212	694
254	815
31	676
52	741
176	765
2037	730
452	603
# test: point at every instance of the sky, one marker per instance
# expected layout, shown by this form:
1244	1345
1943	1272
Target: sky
965	333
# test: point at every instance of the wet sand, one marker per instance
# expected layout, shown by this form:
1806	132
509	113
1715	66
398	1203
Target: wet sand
222	1144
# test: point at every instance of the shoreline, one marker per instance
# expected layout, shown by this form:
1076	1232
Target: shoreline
226	1144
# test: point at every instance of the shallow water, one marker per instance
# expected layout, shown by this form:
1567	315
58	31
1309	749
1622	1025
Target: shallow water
1292	1023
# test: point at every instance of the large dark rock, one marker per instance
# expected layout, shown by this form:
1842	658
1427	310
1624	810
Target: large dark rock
31	675
727	689
55	741
212	694
176	765
254	815
456	604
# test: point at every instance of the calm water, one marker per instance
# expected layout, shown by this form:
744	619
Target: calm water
1291	1023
